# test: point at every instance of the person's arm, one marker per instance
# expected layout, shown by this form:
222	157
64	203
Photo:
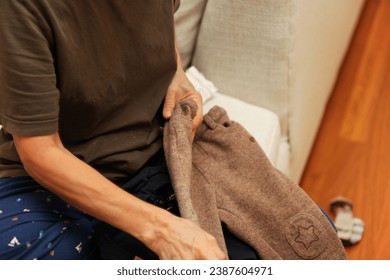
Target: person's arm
170	237
179	89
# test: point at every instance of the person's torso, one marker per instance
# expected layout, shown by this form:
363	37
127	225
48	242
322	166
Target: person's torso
114	61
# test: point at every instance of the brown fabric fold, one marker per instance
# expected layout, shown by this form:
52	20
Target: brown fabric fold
177	146
225	177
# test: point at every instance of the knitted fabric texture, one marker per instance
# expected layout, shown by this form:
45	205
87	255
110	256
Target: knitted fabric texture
223	176
177	146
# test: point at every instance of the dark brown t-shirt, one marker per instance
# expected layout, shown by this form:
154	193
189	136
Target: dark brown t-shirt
96	71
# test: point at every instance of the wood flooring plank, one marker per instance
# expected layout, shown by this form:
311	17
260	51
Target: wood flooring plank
368	79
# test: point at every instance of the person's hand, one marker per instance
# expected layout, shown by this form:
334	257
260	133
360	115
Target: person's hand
180	239
180	89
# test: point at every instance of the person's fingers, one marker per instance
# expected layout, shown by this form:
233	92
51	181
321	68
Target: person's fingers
218	253
198	117
196	121
213	254
169	104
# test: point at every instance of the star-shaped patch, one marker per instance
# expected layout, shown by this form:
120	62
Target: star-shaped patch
306	236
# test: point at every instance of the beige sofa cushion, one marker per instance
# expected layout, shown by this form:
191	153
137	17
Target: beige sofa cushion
243	47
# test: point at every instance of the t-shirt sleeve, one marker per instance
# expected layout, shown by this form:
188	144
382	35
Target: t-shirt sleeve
29	98
176	4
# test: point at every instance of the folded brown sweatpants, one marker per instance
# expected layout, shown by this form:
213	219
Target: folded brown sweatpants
223	176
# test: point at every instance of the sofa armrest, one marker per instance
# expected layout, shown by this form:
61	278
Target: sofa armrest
323	30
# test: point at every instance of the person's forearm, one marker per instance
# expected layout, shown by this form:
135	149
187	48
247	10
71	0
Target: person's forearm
86	189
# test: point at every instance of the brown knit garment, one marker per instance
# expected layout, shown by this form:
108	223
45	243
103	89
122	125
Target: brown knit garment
231	181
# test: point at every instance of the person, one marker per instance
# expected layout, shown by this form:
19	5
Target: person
85	87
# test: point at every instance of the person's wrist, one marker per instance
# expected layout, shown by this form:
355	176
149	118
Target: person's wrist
156	227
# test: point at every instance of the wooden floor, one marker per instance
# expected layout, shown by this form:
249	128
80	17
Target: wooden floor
351	156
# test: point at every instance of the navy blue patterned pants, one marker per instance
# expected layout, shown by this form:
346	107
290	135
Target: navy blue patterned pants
36	224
